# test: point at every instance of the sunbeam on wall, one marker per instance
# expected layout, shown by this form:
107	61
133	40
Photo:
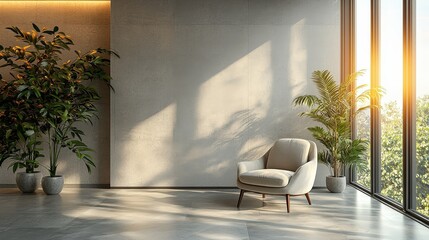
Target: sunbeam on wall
297	65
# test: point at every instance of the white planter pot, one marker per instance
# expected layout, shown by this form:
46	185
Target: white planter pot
27	182
52	185
336	184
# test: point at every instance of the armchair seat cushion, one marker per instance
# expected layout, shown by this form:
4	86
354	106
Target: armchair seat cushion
266	177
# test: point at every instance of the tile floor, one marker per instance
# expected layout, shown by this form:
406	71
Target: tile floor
198	214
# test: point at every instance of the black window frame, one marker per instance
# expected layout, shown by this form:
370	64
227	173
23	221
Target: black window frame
409	102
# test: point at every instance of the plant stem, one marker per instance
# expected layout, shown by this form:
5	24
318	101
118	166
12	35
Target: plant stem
51	163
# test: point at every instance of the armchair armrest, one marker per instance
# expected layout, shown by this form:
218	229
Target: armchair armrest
246	166
303	179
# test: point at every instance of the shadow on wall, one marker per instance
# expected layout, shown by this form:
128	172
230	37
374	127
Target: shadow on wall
208	96
218	139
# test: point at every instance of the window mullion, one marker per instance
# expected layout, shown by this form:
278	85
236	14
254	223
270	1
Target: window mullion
409	106
375	112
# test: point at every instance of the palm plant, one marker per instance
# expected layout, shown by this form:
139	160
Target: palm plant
334	109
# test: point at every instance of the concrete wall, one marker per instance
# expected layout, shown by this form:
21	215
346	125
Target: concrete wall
88	24
203	84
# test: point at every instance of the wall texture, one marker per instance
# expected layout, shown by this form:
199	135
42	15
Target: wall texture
88	24
203	84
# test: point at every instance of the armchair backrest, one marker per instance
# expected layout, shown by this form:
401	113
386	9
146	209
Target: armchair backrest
312	153
289	154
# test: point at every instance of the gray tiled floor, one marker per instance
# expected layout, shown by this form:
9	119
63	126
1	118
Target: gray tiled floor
198	214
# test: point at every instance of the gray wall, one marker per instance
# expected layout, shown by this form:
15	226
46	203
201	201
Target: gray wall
88	24
203	84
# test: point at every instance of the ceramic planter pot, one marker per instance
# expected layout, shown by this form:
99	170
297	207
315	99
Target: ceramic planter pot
336	184
52	185
28	182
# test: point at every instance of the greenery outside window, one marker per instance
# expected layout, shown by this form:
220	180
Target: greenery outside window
390	39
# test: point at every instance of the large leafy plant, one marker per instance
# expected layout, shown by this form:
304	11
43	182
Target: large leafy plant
60	90
8	140
19	125
334	109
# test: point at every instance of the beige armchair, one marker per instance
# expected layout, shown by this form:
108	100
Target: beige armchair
289	169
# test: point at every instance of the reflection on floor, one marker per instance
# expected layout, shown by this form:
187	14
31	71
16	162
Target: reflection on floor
198	214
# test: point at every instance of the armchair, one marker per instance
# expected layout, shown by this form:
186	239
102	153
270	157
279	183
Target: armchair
288	169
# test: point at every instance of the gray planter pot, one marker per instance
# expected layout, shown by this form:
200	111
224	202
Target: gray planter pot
28	182
336	184
52	185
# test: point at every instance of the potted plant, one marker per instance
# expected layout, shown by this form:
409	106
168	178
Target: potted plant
26	156
23	148
334	109
62	90
19	130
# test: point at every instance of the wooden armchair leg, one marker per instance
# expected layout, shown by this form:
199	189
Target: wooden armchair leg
240	198
287	202
307	195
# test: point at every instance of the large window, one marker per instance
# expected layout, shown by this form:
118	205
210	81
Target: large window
391	39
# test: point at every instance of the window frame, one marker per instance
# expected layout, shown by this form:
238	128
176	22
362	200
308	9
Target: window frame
409	102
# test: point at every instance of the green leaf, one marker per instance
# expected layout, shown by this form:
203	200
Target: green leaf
56	29
29	132
36	27
22	88
47	32
37	93
8	133
12	29
15	167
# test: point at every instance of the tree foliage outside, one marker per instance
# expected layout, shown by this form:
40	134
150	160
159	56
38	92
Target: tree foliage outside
391	152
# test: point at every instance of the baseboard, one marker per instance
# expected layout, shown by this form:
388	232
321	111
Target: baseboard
107	186
181	187
189	187
103	186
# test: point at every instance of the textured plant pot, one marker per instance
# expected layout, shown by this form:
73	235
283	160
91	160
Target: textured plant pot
27	182
336	184
52	185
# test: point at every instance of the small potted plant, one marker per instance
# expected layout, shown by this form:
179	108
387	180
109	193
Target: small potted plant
24	152
26	156
62	90
334	109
